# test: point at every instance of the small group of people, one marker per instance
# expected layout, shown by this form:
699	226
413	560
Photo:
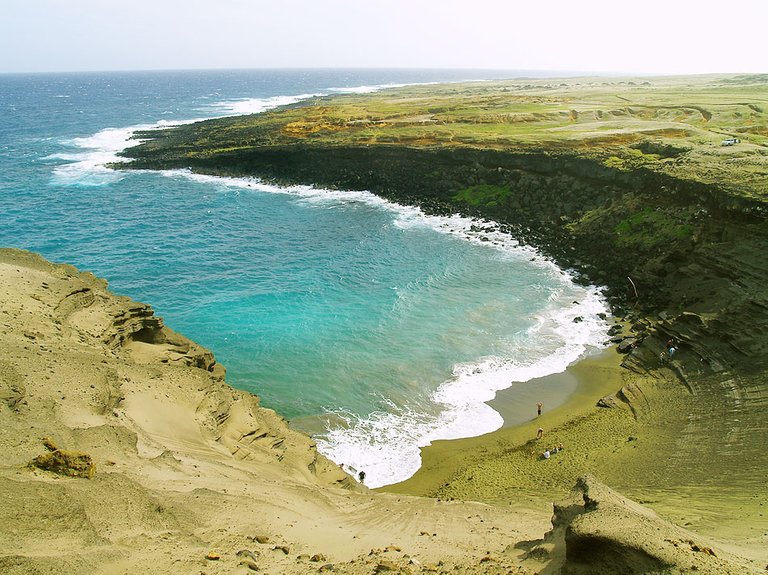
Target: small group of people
550	451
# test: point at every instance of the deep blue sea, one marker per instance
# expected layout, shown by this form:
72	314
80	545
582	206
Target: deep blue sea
368	324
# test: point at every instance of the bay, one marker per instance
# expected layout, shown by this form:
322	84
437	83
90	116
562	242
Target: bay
370	325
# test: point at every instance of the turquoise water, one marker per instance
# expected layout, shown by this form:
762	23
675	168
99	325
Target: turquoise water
368	324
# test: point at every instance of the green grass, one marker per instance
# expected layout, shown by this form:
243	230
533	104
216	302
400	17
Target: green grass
650	229
484	195
673	126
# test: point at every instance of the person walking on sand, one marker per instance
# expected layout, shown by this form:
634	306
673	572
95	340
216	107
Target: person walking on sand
361	476
539	433
538	408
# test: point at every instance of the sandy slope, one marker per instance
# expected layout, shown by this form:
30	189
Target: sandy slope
192	476
184	464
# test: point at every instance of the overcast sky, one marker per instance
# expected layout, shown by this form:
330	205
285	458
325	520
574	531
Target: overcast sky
641	36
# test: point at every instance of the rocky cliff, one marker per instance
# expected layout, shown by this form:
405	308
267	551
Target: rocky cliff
659	245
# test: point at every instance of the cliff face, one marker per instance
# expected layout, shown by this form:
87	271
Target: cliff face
94	386
122	450
660	245
65	314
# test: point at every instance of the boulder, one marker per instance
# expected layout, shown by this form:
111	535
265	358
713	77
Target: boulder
597	530
65	462
615	330
627	344
609	401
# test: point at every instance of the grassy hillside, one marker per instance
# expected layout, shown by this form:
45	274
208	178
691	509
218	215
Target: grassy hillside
672	126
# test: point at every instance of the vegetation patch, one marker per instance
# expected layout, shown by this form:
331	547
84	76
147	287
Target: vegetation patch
651	229
670	126
659	149
484	195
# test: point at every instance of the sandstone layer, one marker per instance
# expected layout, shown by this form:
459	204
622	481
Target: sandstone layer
123	450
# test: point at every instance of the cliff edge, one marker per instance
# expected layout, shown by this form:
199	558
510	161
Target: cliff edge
122	450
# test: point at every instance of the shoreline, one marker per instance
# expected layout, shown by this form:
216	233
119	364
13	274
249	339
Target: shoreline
517	403
582	390
159	446
633	448
570	391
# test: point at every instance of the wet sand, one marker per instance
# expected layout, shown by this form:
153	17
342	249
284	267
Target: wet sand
566	396
517	404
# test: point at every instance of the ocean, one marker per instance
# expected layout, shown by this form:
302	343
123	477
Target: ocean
371	326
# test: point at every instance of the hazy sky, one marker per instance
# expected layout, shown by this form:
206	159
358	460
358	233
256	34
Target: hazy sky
643	36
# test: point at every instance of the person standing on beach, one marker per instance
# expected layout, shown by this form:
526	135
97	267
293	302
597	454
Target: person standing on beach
538	408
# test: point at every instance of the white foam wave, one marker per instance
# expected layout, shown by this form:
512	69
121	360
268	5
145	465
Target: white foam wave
377	87
387	445
306	194
86	164
242	106
372	89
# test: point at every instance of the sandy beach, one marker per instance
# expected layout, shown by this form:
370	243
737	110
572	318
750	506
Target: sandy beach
163	468
572	398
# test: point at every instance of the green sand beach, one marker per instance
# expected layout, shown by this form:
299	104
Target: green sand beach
655	188
636	453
